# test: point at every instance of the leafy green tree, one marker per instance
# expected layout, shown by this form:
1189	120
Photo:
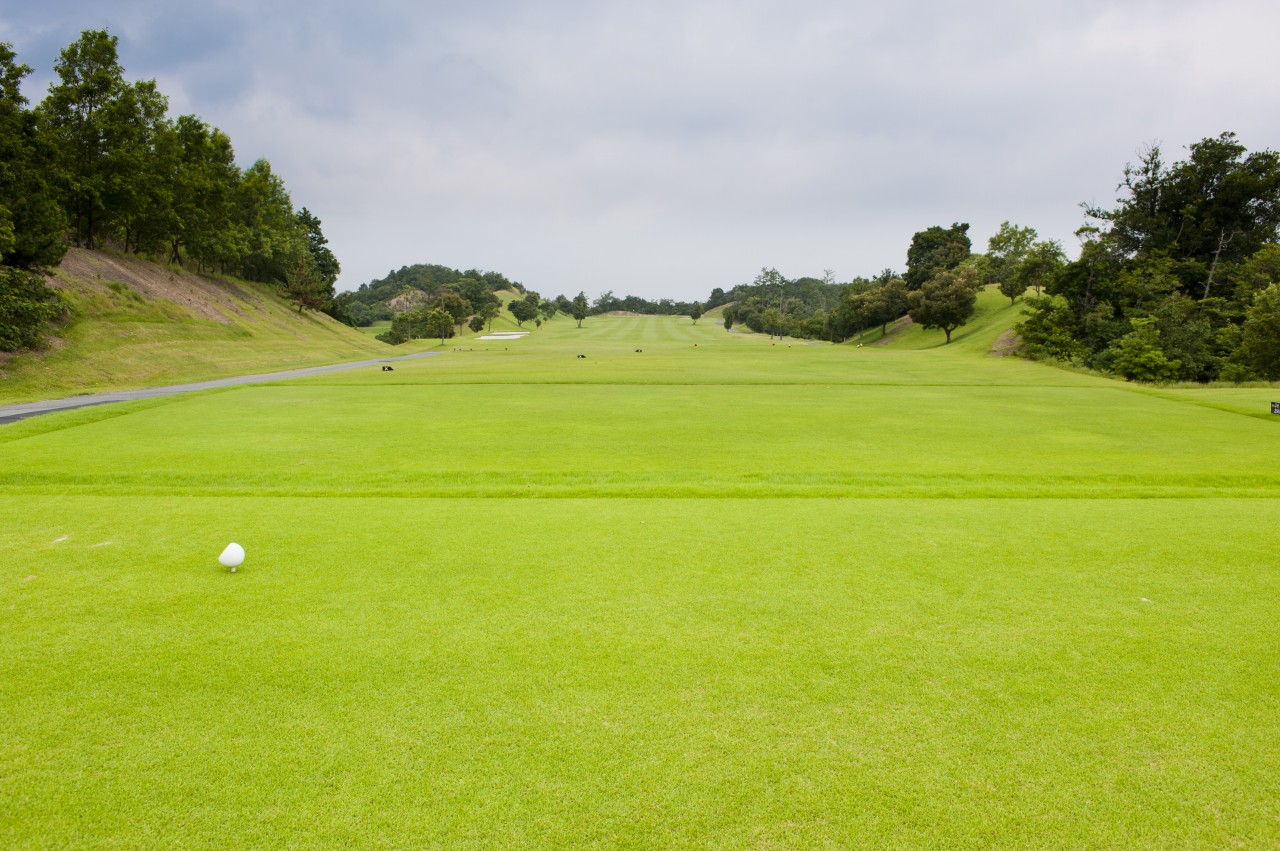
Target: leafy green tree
945	301
264	212
205	187
1221	205
489	309
32	223
1259	271
476	324
936	250
326	264
1050	329
80	116
1137	356
1006	251
1042	261
695	313
579	308
438	323
1260	334
455	305
522	310
27	309
305	287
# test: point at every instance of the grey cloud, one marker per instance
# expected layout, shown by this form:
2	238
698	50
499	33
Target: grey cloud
666	148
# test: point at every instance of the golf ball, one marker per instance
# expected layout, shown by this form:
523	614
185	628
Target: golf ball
232	556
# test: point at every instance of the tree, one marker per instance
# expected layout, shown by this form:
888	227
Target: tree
453	304
1041	261
878	306
78	115
31	221
695	313
326	264
522	310
1137	356
438	323
936	250
264	212
1260	335
1005	252
579	308
1220	205
945	301
476	324
489	309
27	308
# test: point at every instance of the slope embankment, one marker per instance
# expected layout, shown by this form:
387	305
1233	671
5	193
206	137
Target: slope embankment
138	324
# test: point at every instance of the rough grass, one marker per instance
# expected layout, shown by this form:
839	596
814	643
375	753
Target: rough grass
136	324
727	595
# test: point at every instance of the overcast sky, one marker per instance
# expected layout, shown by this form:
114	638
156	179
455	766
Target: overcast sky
666	148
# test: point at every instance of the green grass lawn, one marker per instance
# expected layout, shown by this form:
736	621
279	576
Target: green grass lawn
723	592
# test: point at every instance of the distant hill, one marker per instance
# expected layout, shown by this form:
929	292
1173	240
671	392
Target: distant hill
410	287
139	324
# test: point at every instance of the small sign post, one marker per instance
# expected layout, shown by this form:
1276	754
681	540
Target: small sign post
1275	407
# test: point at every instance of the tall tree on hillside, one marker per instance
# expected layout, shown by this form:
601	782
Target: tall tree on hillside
488	309
305	287
1005	252
264	212
946	300
1222	204
326	263
79	116
32	223
936	250
140	192
695	313
205	186
1041	261
522	310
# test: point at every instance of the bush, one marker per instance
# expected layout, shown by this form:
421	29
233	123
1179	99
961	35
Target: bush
27	309
1137	356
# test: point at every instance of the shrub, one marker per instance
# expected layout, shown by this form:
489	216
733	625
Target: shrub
27	309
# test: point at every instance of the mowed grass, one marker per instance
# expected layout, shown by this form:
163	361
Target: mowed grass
736	594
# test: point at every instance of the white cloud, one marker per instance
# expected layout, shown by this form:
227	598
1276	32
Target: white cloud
667	148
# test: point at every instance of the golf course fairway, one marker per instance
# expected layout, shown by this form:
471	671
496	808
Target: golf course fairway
695	589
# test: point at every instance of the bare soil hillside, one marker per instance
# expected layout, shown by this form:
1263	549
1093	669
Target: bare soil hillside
206	297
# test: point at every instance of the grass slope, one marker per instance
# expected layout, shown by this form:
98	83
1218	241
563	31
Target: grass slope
137	324
722	592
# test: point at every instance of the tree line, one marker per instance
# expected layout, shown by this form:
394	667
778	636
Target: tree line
1180	280
98	163
429	300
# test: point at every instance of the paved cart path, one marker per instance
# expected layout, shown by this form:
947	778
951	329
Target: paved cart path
13	413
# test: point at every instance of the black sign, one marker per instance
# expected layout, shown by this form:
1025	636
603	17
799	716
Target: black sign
1275	407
